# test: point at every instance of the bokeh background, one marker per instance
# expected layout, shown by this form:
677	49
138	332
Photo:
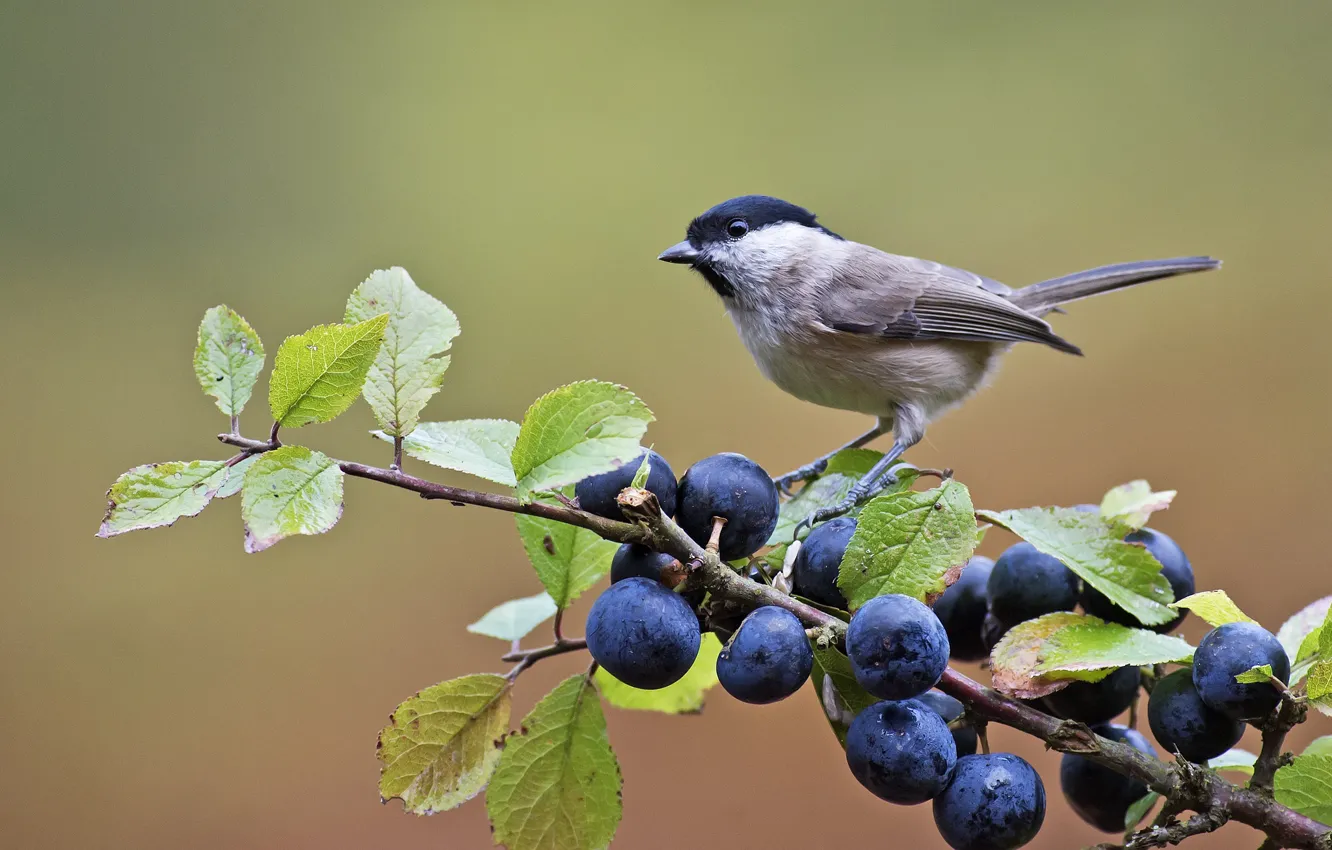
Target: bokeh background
526	162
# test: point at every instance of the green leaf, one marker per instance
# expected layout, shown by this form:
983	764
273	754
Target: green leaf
479	447
1139	810
1091	650
575	431
568	559
640	478
840	696
1014	660
233	478
1133	503
558	783
228	358
907	542
1214	607
442	745
1255	675
1305	785
513	620
158	494
1319	686
1320	747
1295	631
408	369
683	697
318	374
290	490
1094	549
854	462
1234	761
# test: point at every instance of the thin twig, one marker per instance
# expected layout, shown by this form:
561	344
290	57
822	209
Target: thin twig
526	658
1287	716
556	626
273	440
397	455
235	424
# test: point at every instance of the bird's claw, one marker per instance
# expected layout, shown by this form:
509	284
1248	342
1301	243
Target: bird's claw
859	495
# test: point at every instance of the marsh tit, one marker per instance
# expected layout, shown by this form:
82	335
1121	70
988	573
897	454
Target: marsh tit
848	326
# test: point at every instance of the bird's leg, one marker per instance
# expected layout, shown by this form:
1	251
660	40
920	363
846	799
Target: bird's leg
908	429
815	468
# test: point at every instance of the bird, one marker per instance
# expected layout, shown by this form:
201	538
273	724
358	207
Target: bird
845	325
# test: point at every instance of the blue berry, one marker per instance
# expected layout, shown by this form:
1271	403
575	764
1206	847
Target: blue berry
897	647
642	633
1183	723
962	610
1175	567
767	659
732	487
596	494
633	560
900	751
1026	583
992	802
1229	650
1099	795
949	709
1096	702
814	572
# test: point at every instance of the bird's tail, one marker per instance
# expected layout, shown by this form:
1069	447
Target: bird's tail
1041	298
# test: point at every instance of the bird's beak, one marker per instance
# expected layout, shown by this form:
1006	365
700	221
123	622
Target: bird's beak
681	252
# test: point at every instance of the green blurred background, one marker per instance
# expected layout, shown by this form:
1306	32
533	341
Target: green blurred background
526	162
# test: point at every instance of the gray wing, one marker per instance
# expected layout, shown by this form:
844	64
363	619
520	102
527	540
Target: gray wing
895	297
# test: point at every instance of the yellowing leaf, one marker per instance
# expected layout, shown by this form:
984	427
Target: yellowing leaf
1133	503
558	783
1234	761
575	431
442	745
290	490
158	494
1214	607
1014	660
683	697
479	447
1095	550
228	358
906	542
408	369
318	374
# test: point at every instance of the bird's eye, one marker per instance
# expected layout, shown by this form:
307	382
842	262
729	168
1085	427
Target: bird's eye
736	228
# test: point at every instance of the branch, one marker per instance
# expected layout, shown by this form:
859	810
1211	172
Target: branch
1183	785
1177	831
1287	716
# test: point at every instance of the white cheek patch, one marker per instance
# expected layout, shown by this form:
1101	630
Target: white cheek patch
751	262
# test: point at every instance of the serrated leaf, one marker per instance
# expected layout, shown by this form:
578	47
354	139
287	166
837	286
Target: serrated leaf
1095	550
1255	675
408	369
558	782
839	695
1133	503
1234	761
1297	630
228	358
683	697
158	494
1014	659
1319	686
515	619
1305	785
479	447
1214	607
318	374
1319	747
567	559
232	479
906	542
575	431
442	745
1091	650
1139	810
290	490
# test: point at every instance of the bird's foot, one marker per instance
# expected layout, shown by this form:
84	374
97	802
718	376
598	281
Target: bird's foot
866	489
807	472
